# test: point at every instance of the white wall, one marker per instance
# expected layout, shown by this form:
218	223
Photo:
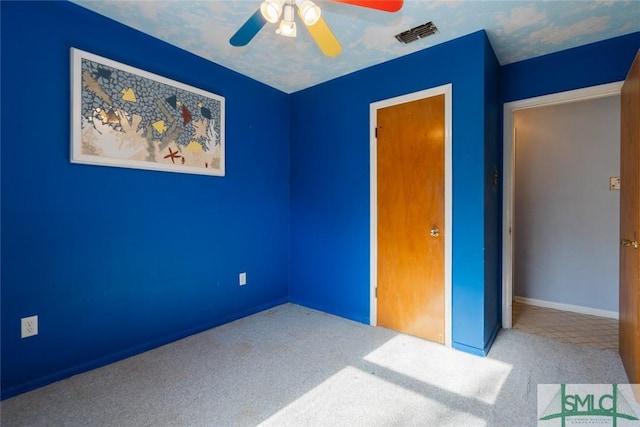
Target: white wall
566	219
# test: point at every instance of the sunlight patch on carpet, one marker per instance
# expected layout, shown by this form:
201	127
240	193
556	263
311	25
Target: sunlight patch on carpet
451	370
352	396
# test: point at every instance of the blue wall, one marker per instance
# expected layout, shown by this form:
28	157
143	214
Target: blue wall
492	198
590	65
115	261
330	181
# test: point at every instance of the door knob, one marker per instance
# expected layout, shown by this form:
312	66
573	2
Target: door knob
626	243
435	232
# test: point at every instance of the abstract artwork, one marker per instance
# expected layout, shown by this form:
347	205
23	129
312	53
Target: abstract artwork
126	117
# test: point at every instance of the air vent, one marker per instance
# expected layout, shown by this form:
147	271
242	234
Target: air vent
419	32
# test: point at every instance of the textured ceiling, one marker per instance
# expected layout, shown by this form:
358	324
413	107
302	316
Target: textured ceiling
517	30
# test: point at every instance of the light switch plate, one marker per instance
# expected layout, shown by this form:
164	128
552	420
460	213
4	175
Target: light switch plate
614	183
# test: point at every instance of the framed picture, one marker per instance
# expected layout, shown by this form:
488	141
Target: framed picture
126	117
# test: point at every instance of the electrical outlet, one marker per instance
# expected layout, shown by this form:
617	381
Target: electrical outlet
29	326
242	278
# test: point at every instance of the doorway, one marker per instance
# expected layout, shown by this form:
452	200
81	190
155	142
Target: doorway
509	207
437	229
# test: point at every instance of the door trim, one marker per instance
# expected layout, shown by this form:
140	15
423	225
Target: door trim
445	90
508	189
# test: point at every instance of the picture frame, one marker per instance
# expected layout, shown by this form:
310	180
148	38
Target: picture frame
126	117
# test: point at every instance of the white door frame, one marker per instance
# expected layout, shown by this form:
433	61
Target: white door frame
508	173
373	149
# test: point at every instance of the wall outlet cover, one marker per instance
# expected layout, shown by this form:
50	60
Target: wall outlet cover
28	326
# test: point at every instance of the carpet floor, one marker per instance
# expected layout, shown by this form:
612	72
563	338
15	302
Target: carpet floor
293	366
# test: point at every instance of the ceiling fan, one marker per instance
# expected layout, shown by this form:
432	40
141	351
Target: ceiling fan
282	12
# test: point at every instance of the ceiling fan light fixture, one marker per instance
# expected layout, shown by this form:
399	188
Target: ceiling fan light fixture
282	12
271	10
287	28
309	11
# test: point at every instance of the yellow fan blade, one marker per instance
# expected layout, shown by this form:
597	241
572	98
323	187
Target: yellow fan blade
326	41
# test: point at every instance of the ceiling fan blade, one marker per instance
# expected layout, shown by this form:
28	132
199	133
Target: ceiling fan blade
324	37
385	5
248	30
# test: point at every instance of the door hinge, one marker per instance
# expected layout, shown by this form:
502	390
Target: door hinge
376	291
376	132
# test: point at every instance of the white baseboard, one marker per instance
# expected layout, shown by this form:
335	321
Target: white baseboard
568	307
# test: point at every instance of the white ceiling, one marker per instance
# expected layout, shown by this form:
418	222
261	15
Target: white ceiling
517	30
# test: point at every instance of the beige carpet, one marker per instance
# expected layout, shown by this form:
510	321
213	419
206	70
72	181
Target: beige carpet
292	366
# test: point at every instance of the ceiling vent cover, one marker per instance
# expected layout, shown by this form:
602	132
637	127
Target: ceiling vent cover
419	32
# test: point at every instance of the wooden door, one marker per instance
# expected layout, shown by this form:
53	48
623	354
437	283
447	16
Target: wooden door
410	229
630	224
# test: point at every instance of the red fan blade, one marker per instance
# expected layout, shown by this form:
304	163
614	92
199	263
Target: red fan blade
385	5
